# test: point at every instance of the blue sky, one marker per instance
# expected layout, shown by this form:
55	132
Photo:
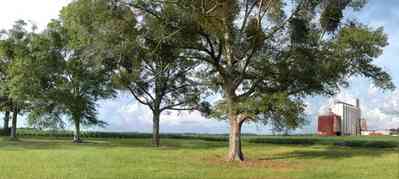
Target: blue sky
381	109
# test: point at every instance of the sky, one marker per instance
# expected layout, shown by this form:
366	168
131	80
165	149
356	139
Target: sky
379	108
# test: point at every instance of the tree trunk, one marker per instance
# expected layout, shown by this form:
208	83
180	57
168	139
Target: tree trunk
155	129
13	134
235	152
6	126
229	88
76	134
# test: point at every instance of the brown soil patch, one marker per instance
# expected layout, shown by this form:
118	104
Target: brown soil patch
276	165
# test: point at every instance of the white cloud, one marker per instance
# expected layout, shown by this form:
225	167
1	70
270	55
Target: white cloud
38	11
383	110
373	90
376	119
124	114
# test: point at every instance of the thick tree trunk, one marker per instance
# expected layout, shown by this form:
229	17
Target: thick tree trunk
235	152
6	126
155	129
230	87
76	134
13	134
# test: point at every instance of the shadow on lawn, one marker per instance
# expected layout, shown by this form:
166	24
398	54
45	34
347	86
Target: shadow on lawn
333	152
340	142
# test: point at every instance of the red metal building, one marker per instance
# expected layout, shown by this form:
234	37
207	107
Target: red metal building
329	125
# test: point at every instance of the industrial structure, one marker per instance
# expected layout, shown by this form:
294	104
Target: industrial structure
363	125
343	119
329	125
366	132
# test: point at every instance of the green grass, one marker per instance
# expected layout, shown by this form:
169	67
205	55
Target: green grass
58	158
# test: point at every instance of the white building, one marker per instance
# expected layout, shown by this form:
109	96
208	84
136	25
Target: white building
376	132
350	117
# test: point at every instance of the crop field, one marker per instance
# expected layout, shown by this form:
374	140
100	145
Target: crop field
38	157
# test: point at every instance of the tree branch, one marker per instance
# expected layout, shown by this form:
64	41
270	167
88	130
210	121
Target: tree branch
281	26
138	98
175	106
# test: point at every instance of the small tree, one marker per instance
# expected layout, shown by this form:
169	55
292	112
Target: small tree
60	81
163	83
151	69
14	45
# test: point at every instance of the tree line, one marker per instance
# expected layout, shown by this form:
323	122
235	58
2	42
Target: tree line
263	57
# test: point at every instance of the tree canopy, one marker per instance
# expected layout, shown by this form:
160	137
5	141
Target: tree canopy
152	71
265	56
14	46
60	79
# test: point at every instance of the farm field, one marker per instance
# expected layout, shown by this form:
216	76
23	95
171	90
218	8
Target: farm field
110	158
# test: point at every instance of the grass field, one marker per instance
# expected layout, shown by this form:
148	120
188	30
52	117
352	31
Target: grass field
58	158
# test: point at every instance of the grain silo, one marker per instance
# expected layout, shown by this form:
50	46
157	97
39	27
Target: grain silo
350	117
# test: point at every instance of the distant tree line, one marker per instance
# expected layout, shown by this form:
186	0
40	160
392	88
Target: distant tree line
263	57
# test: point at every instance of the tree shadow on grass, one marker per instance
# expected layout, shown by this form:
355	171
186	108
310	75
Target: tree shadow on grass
333	152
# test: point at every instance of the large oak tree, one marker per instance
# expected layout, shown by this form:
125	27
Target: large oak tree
265	56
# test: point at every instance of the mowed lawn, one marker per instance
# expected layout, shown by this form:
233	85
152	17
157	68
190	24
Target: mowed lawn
51	158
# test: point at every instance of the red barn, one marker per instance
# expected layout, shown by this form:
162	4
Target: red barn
329	125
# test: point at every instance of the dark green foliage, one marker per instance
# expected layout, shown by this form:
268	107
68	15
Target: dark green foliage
45	116
14	47
299	30
359	45
332	15
60	80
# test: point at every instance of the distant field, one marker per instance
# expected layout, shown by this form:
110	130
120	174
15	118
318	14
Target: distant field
200	157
